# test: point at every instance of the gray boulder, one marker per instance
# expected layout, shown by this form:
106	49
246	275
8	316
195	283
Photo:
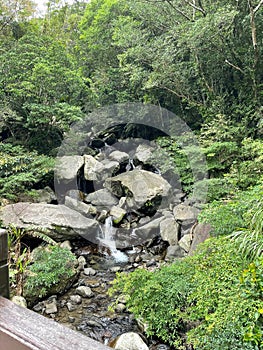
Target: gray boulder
184	212
169	230
200	233
185	242
102	199
130	341
139	186
67	168
82	208
143	154
149	230
57	221
92	169
119	156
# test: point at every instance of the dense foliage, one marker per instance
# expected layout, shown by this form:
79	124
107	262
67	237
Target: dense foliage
52	265
212	300
202	60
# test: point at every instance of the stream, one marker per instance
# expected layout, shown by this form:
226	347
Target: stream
92	315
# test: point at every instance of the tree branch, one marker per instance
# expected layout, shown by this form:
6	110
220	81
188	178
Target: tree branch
234	66
258	6
178	10
198	8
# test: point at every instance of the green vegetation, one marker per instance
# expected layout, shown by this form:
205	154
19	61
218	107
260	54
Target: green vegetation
19	254
202	60
21	169
53	267
212	300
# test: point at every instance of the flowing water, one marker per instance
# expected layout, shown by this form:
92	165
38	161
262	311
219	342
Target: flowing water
108	240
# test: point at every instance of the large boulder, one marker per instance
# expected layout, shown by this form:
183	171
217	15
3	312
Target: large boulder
149	230
184	212
92	168
102	199
139	186
130	341
57	221
143	154
200	233
67	168
169	230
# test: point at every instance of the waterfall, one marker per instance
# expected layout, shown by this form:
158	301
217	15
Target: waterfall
109	240
130	166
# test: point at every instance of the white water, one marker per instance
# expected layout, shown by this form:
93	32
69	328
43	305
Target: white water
109	241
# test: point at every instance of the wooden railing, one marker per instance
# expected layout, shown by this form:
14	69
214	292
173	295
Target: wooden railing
22	329
4	275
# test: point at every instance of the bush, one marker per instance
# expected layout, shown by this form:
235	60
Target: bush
205	300
52	271
20	170
231	215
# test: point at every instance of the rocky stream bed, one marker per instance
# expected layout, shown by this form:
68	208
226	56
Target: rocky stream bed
115	210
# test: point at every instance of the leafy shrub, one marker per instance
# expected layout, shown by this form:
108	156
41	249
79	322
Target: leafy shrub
20	170
247	169
231	215
251	240
52	265
158	298
208	300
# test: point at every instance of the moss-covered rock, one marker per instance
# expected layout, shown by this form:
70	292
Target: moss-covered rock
53	270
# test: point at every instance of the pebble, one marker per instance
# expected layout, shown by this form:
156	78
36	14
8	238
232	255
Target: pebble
51	308
89	271
85	292
119	308
75	299
82	262
70	306
115	269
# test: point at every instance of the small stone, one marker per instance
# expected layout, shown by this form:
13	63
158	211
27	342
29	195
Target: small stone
119	308
92	323
85	292
138	259
66	245
92	262
75	299
117	214
18	300
70	307
102	216
89	271
130	341
115	269
151	263
82	262
122	202
39	306
123	299
71	319
51	308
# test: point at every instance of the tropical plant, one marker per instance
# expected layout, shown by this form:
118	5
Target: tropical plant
19	253
250	240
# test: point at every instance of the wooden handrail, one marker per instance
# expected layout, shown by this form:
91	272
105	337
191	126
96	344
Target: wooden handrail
4	275
23	329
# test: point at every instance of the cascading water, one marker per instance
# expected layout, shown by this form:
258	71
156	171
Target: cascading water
108	240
